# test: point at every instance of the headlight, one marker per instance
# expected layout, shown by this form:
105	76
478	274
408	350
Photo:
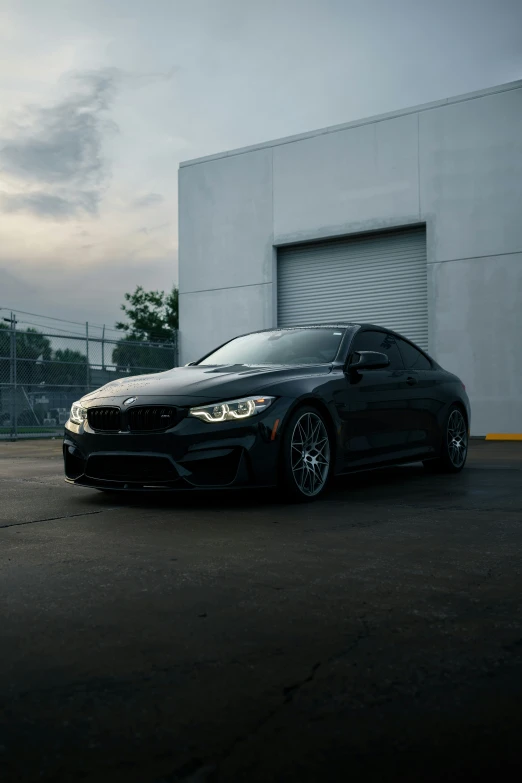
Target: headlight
78	413
233	410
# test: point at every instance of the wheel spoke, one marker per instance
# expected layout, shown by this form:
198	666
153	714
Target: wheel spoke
318	476
306	482
457	438
322	446
310	453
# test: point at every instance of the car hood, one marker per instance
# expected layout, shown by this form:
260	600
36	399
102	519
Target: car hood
207	383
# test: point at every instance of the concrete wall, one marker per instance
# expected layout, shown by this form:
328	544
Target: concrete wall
225	250
455	165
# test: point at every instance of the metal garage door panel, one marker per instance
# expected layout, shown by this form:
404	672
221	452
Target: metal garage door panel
377	278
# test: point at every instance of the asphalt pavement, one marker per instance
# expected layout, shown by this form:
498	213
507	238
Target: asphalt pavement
373	635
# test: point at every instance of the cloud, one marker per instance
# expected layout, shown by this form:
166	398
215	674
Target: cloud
55	155
147	230
148	200
135	79
62	143
50	205
74	291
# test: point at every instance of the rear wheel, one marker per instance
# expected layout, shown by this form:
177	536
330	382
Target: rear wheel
454	446
306	457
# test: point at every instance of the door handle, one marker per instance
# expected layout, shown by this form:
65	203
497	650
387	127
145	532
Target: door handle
411	381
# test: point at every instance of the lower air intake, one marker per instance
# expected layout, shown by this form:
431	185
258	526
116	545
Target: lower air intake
127	467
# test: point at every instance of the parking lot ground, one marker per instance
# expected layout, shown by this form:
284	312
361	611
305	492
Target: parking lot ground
373	635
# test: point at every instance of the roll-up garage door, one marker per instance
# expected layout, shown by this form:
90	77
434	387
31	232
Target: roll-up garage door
376	278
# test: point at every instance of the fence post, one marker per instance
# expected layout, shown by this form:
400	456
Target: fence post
87	366
14	423
11	375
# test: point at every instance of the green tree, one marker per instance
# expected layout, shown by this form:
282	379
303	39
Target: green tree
152	316
139	358
68	368
31	348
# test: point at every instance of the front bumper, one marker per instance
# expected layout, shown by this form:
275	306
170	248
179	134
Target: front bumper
192	455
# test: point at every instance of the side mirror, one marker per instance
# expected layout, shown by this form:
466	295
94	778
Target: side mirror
368	360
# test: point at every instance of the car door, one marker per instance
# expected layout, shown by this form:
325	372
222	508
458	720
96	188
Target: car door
425	404
373	404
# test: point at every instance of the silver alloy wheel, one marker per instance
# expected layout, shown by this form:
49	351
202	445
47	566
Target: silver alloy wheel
457	438
310	454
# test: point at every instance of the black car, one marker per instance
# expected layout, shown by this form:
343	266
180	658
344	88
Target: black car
287	407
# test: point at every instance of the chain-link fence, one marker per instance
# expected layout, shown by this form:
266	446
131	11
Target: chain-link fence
41	375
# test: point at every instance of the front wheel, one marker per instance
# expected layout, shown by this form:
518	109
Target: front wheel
306	456
454	446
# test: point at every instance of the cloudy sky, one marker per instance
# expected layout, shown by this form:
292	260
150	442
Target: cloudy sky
101	99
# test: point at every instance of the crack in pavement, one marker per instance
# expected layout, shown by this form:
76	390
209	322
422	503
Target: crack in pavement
66	516
193	771
289	692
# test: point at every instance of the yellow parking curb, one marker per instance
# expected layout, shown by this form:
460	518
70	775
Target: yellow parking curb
505	436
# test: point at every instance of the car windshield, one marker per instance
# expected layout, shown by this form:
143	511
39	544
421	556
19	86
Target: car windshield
282	346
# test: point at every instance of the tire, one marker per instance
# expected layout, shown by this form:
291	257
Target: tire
306	456
454	449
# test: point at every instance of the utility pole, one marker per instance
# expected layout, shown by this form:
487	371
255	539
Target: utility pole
103	348
12	372
88	374
15	376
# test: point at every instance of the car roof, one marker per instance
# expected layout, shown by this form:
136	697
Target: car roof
335	325
329	325
348	325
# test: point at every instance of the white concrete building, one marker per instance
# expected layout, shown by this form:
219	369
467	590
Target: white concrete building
412	220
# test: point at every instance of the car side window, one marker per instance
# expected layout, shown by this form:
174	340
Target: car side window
381	342
413	359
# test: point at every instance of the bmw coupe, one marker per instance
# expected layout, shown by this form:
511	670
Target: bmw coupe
287	408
